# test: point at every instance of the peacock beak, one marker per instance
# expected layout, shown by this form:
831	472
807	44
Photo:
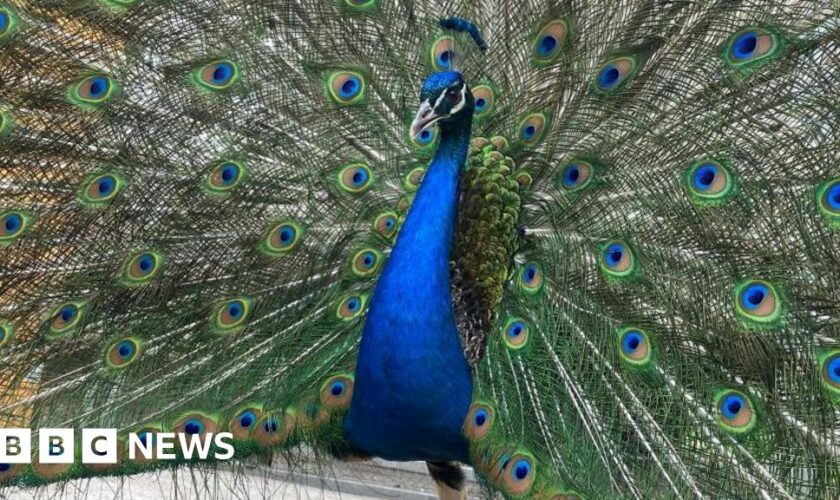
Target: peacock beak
426	117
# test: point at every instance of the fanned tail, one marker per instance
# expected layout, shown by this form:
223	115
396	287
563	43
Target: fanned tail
198	196
668	327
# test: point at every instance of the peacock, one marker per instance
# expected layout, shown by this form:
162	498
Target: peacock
590	248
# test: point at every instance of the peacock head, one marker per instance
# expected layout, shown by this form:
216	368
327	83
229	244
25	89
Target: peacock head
444	99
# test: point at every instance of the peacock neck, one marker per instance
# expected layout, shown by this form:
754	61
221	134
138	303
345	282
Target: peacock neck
413	384
425	240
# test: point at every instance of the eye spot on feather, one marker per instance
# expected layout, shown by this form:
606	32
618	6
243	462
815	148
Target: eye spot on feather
484	98
404	203
710	182
524	179
829	363
7	332
337	391
281	239
217	75
231	315
531	278
225	176
832	197
195	424
758	302
515	333
346	87
92	90
414	178
365	262
351	307
385	224
100	189
634	346
271	429
9	471
828	201
65	319
147	436
13	224
310	414
751	46
532	128
141	267
270	425
8	21
615	74
355	178
122	352
735	412
617	259
244	421
425	139
519	474
550	41
479	421
443	53
576	176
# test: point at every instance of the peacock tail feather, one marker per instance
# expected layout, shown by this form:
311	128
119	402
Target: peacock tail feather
198	198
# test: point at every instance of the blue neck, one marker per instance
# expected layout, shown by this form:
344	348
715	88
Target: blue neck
413	384
425	240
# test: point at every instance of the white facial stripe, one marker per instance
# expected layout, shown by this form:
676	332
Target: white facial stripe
458	106
440	98
462	102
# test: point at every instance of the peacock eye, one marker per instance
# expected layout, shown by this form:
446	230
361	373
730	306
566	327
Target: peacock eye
93	90
12	224
7	21
230	315
122	353
617	260
735	411
484	97
515	333
351	307
828	201
141	267
193	426
7	331
634	346
479	421
753	44
830	370
759	302
337	391
453	96
218	75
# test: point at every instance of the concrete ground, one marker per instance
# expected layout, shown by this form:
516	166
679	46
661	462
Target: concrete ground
348	481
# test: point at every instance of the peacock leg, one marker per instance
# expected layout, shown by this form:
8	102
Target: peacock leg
449	480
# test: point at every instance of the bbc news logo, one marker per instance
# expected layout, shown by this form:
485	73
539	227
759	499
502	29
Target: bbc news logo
100	446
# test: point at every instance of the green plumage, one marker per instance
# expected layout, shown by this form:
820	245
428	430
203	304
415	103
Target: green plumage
197	197
486	238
